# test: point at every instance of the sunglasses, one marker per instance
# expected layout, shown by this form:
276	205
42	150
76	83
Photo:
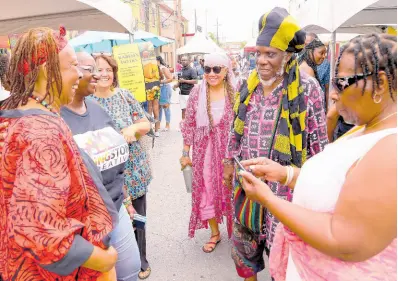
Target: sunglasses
342	83
216	69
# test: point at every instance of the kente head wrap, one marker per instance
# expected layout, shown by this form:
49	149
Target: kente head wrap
280	30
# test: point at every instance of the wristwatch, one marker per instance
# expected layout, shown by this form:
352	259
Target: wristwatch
185	153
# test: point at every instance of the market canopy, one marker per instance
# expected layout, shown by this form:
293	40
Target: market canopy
365	16
199	44
100	41
17	16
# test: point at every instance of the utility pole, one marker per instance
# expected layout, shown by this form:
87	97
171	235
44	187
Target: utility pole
177	29
177	9
218	41
206	22
196	22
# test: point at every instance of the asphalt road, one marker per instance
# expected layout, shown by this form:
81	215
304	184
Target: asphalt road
171	254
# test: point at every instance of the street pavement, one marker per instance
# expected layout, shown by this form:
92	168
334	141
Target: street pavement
171	254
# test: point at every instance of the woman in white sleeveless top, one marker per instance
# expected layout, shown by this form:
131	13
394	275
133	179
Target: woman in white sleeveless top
342	223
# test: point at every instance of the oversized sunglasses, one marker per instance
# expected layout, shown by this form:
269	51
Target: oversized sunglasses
216	69
342	83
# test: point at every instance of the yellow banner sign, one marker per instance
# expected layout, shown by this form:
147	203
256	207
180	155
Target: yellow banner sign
130	74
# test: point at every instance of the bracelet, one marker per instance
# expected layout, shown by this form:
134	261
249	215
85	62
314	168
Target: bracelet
127	201
185	153
228	162
289	175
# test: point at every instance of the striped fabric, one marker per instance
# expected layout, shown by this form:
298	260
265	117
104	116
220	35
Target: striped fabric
280	30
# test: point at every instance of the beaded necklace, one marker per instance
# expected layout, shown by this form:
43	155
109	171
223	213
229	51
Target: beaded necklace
44	103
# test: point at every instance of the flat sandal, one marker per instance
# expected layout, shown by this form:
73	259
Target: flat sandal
212	243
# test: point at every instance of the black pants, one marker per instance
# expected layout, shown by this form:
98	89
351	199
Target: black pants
139	205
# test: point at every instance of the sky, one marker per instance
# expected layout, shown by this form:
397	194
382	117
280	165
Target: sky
238	19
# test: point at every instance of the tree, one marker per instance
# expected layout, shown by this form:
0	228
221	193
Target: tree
213	37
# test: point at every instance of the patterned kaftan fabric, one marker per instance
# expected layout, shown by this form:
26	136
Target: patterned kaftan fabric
256	140
46	197
198	138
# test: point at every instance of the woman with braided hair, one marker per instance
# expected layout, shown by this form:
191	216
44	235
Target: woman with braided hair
55	219
206	127
348	230
313	56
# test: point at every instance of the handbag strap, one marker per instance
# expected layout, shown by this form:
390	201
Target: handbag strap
125	100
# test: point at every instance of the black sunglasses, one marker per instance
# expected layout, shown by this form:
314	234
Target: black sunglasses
342	83
216	69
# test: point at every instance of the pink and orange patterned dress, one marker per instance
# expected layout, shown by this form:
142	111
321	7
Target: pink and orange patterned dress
48	201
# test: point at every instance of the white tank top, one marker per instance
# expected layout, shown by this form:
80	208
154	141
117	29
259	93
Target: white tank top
322	177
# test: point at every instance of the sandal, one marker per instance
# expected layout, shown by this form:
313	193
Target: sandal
144	274
212	243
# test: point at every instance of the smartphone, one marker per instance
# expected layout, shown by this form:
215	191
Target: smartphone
139	221
239	164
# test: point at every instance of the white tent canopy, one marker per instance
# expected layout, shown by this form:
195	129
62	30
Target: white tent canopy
342	16
199	44
340	37
346	16
17	16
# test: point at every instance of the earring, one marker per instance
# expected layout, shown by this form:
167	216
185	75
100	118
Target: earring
378	99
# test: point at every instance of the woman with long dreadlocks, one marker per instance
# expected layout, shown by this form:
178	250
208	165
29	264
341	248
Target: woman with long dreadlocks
55	219
348	230
206	127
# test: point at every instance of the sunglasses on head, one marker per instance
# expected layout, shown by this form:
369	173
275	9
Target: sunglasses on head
342	83
216	69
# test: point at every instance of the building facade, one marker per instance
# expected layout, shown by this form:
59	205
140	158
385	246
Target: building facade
172	27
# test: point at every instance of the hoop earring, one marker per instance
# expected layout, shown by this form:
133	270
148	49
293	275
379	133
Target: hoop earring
380	98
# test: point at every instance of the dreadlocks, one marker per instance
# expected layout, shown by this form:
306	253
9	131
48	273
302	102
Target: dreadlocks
309	58
33	49
374	53
4	64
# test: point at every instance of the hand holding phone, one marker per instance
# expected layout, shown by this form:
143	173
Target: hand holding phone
239	164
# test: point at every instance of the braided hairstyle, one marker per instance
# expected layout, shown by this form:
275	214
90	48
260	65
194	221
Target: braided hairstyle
309	57
230	94
374	53
36	47
4	64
